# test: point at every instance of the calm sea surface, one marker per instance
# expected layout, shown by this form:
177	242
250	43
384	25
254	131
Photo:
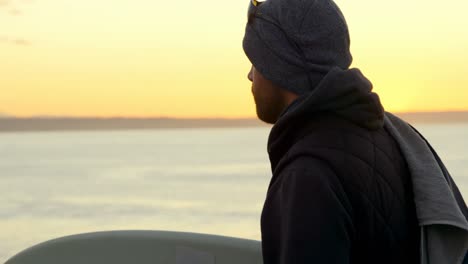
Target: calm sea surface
196	180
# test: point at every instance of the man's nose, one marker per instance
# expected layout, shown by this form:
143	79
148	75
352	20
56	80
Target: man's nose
249	76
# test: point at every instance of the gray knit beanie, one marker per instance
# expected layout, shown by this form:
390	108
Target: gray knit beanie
295	43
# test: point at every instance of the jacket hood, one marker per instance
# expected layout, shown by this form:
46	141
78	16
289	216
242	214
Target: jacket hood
344	93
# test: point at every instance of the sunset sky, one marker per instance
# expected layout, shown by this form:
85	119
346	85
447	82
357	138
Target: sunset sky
184	58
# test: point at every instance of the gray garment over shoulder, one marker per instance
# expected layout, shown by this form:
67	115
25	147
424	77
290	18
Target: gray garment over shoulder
441	211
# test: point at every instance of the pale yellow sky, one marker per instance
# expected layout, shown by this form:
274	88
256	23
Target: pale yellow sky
185	58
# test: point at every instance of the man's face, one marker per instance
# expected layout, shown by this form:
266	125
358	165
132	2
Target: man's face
270	99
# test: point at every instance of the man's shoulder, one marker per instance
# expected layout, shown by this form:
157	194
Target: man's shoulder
337	135
342	146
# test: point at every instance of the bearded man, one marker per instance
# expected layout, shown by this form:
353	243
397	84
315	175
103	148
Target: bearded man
351	183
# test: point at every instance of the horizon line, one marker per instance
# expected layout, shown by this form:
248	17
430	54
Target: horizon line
37	124
9	116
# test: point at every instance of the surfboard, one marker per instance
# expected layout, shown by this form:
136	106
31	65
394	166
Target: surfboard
142	247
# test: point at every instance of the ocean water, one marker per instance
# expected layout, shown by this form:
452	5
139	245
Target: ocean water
213	181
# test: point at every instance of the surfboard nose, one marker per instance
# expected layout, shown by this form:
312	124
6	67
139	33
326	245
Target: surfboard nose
142	247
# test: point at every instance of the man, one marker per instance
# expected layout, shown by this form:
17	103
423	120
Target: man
350	182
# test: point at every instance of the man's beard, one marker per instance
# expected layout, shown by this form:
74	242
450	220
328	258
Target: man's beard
270	109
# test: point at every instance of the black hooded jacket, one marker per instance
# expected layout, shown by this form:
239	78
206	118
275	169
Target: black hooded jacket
341	190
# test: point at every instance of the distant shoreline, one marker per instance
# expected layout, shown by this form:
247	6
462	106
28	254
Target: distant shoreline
96	124
12	124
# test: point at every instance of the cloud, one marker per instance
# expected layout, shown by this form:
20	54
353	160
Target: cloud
13	8
4	3
15	41
21	42
15	12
